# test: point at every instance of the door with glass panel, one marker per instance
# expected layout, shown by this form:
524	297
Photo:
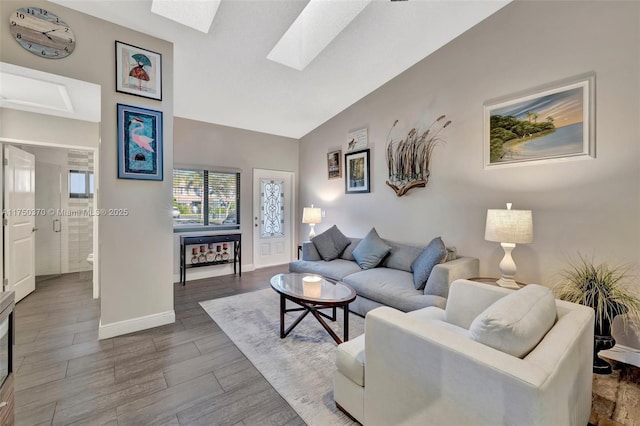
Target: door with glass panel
273	227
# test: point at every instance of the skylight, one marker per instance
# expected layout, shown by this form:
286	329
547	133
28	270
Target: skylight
317	25
197	14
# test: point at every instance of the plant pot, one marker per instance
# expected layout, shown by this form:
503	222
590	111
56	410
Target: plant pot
602	340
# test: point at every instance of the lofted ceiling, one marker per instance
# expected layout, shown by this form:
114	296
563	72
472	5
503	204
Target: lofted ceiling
224	76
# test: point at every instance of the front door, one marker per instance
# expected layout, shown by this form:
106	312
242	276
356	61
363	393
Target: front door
19	237
273	228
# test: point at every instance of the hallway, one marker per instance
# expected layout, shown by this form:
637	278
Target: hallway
188	372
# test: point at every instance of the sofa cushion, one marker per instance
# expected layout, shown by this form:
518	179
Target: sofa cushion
350	359
331	243
371	250
335	269
347	254
516	323
401	256
434	253
391	287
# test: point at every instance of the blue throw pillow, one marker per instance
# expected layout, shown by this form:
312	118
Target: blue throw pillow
331	243
434	253
371	250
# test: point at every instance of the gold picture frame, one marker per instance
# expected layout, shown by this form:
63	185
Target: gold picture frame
334	164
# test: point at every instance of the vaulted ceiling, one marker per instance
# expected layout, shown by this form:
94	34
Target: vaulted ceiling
224	76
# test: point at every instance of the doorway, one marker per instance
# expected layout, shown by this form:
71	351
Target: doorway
67	112
273	230
64	191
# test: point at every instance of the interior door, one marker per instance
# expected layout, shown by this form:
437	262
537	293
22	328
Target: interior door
19	204
273	229
48	238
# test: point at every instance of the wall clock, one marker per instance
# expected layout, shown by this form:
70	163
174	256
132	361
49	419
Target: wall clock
42	32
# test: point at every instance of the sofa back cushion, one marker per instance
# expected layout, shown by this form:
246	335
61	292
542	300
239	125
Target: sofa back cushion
371	250
516	323
331	243
401	256
347	254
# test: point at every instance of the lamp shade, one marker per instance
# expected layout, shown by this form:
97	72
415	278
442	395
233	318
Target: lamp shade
509	226
312	215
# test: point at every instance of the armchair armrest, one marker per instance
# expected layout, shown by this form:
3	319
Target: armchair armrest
419	373
309	251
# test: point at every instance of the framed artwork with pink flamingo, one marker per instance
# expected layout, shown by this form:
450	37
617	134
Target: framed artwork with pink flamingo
139	143
138	71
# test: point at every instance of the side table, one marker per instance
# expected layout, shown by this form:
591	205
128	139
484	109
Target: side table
491	281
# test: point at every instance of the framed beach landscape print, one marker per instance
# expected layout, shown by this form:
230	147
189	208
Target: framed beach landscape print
550	123
139	143
356	176
138	71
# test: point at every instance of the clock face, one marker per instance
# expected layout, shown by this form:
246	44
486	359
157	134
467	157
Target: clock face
42	33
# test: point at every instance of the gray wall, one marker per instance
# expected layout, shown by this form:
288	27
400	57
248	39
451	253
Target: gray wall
135	251
205	144
587	206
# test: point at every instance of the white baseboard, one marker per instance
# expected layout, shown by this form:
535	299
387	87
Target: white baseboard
214	271
135	324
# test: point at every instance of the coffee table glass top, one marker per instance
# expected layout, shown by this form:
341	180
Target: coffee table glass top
314	288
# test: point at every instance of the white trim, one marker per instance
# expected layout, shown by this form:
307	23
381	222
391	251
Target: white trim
135	324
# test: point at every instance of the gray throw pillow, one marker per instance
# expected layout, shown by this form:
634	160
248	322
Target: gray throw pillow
371	250
331	243
434	253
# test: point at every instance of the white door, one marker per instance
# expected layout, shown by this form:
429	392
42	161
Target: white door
19	237
273	228
48	238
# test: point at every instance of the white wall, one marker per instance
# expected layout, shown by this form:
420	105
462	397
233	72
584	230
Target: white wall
135	251
205	144
591	207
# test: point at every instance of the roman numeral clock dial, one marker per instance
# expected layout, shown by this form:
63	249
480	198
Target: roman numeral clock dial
42	33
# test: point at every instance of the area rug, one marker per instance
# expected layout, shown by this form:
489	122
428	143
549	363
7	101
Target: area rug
300	367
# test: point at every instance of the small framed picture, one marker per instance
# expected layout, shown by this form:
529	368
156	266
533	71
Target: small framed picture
357	140
138	71
356	176
139	143
334	164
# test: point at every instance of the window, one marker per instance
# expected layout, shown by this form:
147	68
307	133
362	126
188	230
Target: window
205	198
80	184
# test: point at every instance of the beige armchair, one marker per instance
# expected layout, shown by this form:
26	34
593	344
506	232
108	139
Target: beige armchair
423	368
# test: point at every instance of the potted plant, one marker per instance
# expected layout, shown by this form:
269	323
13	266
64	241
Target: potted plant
604	289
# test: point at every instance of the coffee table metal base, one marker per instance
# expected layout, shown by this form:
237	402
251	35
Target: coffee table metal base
315	310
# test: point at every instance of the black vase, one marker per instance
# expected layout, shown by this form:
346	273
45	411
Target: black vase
602	340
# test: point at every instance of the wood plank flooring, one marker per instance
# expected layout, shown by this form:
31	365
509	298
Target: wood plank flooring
186	373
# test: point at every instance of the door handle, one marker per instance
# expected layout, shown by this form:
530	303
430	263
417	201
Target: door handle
59	227
34	229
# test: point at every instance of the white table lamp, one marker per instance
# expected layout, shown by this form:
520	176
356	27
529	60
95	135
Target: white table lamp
509	227
312	216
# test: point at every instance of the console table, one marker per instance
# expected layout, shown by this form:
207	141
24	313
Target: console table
189	240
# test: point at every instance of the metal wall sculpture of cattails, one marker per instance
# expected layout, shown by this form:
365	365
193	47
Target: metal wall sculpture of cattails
408	159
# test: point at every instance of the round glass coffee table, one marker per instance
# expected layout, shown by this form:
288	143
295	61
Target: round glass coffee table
313	293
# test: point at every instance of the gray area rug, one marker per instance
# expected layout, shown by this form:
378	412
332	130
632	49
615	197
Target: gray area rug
300	366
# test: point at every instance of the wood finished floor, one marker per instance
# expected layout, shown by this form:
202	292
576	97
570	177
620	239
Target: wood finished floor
186	373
